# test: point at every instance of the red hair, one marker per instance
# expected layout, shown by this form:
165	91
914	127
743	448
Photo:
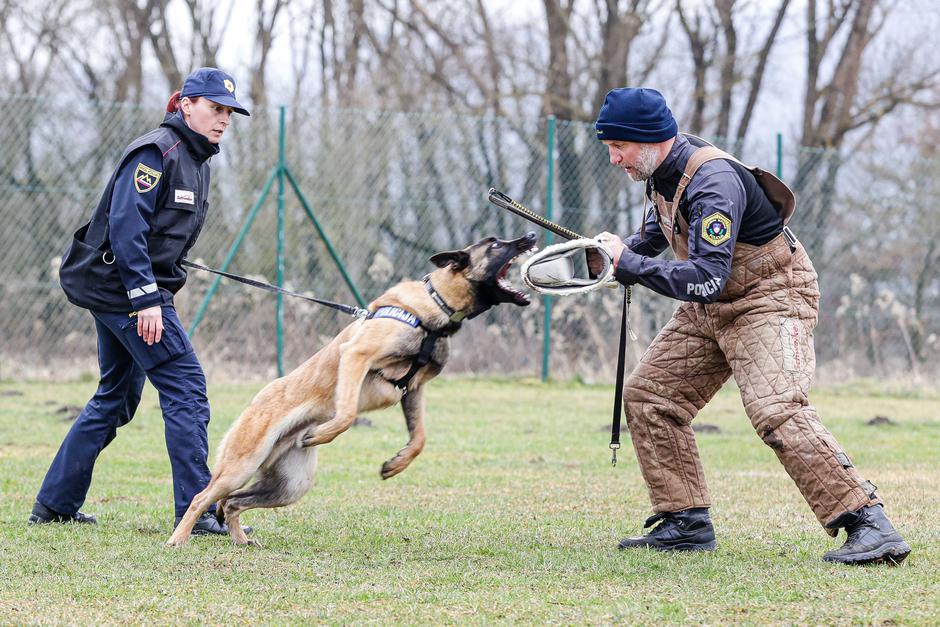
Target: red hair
173	104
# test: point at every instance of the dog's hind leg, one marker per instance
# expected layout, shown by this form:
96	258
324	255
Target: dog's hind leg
219	487
413	406
281	483
355	360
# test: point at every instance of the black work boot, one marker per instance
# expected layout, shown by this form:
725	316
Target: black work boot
688	530
208	525
872	539
42	515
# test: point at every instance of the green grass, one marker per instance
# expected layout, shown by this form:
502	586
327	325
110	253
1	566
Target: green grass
512	514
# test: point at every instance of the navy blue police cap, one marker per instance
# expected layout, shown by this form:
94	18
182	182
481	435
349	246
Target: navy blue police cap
214	84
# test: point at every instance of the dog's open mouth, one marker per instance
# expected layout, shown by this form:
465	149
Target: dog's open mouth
502	278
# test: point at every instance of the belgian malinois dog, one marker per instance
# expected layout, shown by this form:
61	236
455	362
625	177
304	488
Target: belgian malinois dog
373	363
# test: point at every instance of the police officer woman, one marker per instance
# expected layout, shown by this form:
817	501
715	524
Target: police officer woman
124	267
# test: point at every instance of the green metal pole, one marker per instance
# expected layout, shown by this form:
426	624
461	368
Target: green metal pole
231	252
549	214
279	309
326	240
780	156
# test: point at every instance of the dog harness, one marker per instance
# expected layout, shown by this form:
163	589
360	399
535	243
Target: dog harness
423	358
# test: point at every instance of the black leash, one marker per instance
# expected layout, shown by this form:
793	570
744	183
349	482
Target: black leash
618	393
423	357
357	312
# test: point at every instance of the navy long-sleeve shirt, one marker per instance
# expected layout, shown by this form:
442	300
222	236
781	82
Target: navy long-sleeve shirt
722	205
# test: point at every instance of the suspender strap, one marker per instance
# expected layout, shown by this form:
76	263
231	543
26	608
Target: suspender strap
698	158
777	192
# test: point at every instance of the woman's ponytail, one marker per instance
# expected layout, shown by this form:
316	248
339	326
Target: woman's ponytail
173	104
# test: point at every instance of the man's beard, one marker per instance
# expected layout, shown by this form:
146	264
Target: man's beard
646	163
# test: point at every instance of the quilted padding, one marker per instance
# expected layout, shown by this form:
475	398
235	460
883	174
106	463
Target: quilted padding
761	332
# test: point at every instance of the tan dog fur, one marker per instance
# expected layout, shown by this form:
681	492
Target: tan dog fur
276	436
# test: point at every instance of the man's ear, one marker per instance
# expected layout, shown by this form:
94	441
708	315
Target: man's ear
458	259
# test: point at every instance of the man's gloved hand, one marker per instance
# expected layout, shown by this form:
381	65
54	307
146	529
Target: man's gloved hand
595	261
614	244
617	249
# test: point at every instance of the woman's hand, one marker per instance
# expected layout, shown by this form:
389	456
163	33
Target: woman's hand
150	324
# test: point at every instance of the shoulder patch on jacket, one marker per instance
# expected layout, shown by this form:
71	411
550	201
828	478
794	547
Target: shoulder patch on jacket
145	178
716	229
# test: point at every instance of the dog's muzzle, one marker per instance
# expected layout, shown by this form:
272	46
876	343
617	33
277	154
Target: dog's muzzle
560	269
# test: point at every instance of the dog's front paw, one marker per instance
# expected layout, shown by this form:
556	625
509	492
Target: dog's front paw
248	542
175	543
309	440
390	469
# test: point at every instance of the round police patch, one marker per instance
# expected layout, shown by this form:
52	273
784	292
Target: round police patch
716	229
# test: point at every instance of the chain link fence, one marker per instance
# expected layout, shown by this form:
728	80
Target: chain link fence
390	189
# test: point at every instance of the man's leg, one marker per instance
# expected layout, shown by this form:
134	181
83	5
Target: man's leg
772	355
680	372
66	483
769	343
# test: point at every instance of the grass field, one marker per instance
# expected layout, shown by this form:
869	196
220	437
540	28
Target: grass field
512	514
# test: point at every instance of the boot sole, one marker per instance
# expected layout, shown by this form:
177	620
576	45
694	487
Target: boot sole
682	546
36	520
202	532
891	554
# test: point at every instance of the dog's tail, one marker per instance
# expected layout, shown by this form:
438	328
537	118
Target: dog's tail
220	511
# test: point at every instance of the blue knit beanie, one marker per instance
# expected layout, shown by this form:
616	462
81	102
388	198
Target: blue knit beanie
635	115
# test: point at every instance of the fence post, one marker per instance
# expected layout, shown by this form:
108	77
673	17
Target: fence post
780	156
549	237
252	213
279	308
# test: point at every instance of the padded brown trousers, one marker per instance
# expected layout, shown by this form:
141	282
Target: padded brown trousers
761	332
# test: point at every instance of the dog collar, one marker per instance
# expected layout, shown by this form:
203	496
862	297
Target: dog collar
454	316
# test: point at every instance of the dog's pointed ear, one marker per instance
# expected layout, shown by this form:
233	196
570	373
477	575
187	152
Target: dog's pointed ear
458	259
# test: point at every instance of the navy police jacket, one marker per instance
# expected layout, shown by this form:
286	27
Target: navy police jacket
127	257
719	186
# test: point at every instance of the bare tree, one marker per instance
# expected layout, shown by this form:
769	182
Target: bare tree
699	29
836	106
266	14
713	38
208	32
32	40
758	71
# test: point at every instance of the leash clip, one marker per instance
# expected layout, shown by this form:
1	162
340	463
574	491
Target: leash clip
613	453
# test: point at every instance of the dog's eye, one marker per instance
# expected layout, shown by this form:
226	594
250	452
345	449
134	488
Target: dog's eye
495	245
